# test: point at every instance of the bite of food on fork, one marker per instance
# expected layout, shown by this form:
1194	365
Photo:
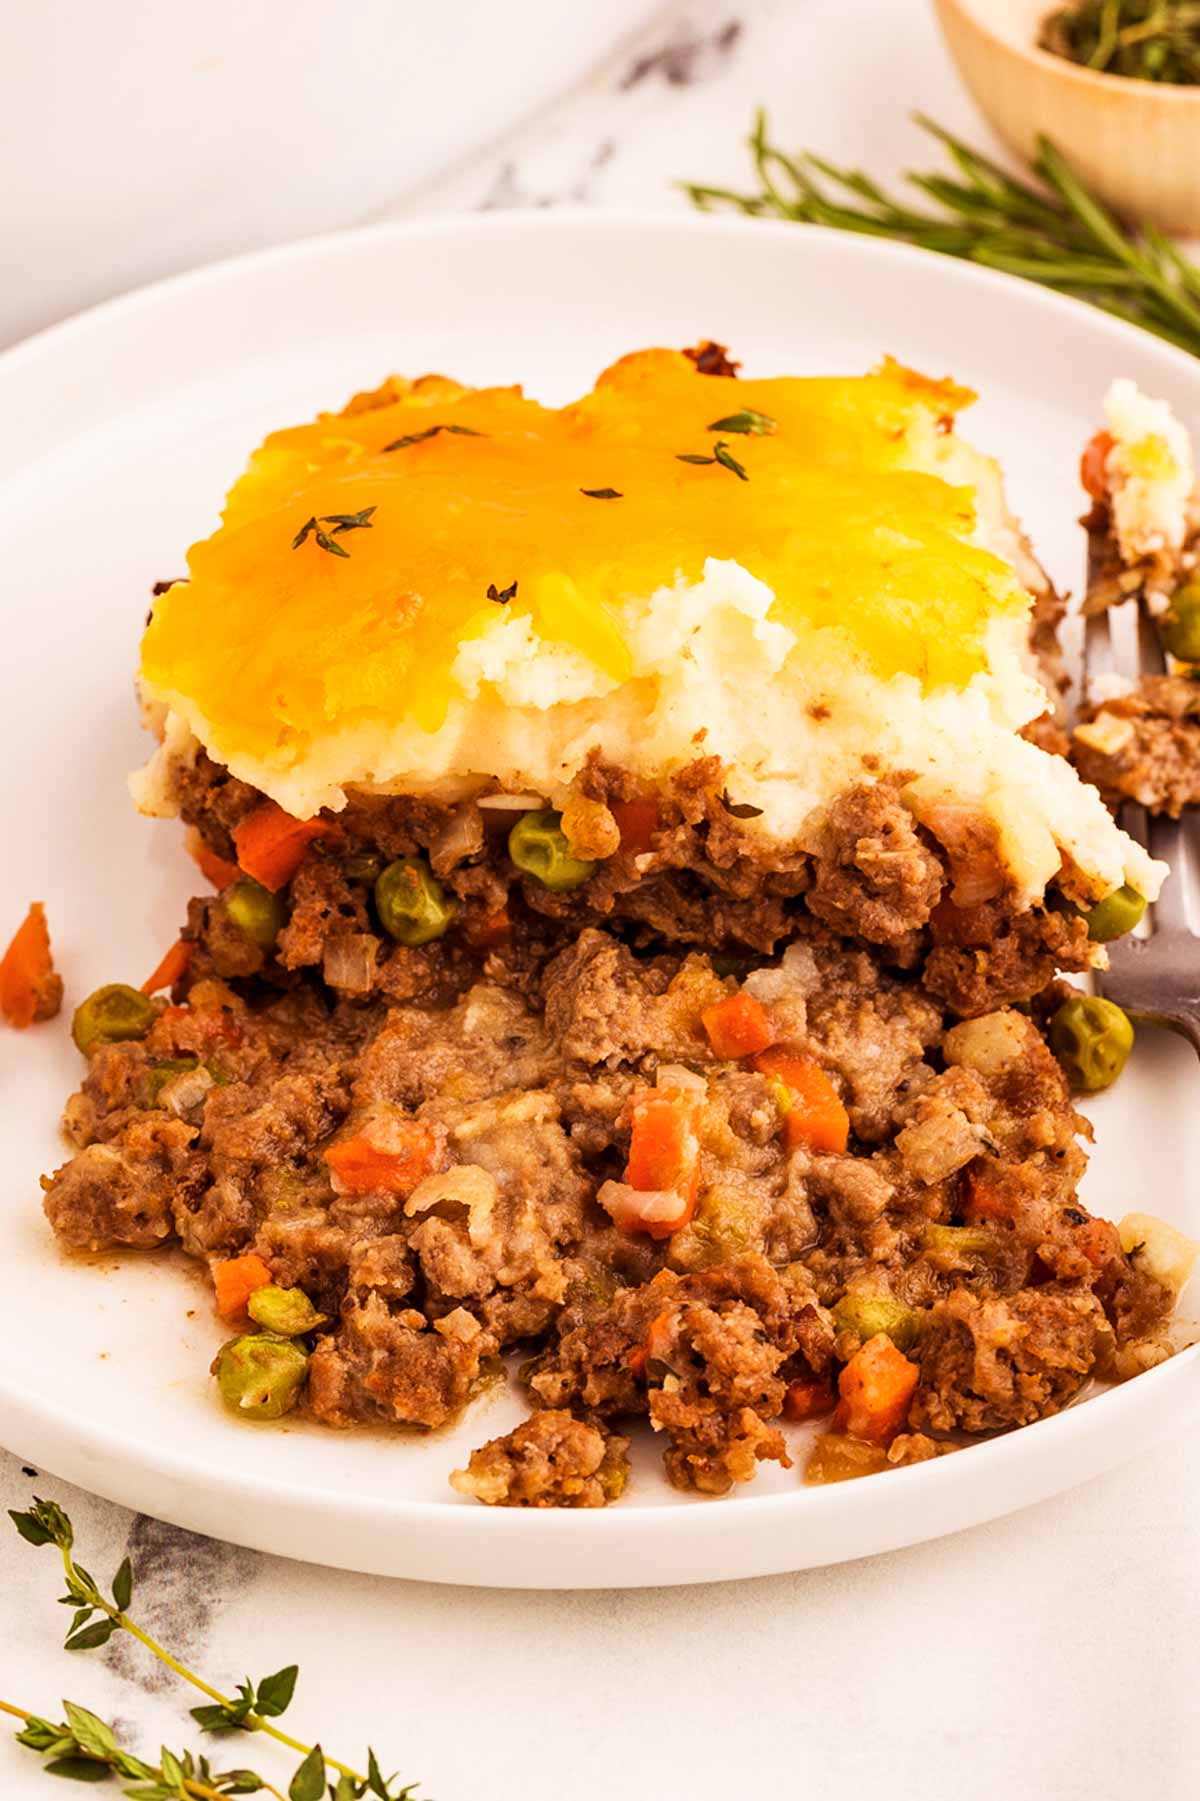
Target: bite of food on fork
1137	736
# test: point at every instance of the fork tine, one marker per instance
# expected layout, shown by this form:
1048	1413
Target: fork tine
1099	655
1165	840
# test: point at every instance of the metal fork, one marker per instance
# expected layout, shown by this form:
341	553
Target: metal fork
1155	977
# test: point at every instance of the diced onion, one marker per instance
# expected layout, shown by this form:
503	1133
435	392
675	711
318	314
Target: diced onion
349	962
677	1075
512	803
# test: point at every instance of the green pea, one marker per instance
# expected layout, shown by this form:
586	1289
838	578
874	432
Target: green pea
411	902
1092	1039
260	1376
538	845
1116	914
1179	627
255	911
111	1015
287	1311
867	1314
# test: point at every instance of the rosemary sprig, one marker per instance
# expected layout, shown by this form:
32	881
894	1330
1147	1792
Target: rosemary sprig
85	1749
1057	234
1148	40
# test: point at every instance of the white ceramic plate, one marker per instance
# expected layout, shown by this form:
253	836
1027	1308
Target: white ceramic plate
119	431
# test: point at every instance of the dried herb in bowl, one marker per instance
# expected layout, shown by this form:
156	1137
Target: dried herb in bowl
1148	40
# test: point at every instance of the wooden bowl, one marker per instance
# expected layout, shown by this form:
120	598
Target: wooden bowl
1135	143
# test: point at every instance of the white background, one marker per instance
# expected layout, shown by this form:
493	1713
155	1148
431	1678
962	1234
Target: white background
1050	1655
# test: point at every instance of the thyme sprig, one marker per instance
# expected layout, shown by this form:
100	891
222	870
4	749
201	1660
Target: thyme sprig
1148	40
1058	234
83	1748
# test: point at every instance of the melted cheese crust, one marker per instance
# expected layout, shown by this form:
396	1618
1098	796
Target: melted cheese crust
274	646
850	607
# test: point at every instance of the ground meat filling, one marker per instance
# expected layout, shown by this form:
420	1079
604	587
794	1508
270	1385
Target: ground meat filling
954	1197
691	872
1144	745
551	1459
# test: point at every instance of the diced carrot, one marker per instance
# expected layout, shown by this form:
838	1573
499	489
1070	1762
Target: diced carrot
30	988
235	1281
392	1155
986	1201
808	1400
637	1361
875	1389
663	1166
218	870
814	1116
171	969
663	1148
738	1026
637	822
271	844
494	929
1092	471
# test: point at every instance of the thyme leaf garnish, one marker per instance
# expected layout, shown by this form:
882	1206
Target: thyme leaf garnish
756	425
349	522
1056	233
419	437
341	522
83	1748
503	595
602	493
721	455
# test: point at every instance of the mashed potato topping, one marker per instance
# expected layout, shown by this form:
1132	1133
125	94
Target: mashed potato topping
503	589
1151	470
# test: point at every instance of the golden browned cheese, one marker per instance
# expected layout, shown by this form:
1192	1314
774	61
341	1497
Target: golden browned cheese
275	643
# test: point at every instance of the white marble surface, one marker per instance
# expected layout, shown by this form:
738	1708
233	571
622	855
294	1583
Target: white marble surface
1049	1656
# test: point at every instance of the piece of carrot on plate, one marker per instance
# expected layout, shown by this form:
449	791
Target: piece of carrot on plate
30	987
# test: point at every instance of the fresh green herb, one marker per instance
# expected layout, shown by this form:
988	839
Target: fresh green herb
1059	235
1149	40
419	437
756	425
84	1749
720	454
503	595
341	522
602	493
